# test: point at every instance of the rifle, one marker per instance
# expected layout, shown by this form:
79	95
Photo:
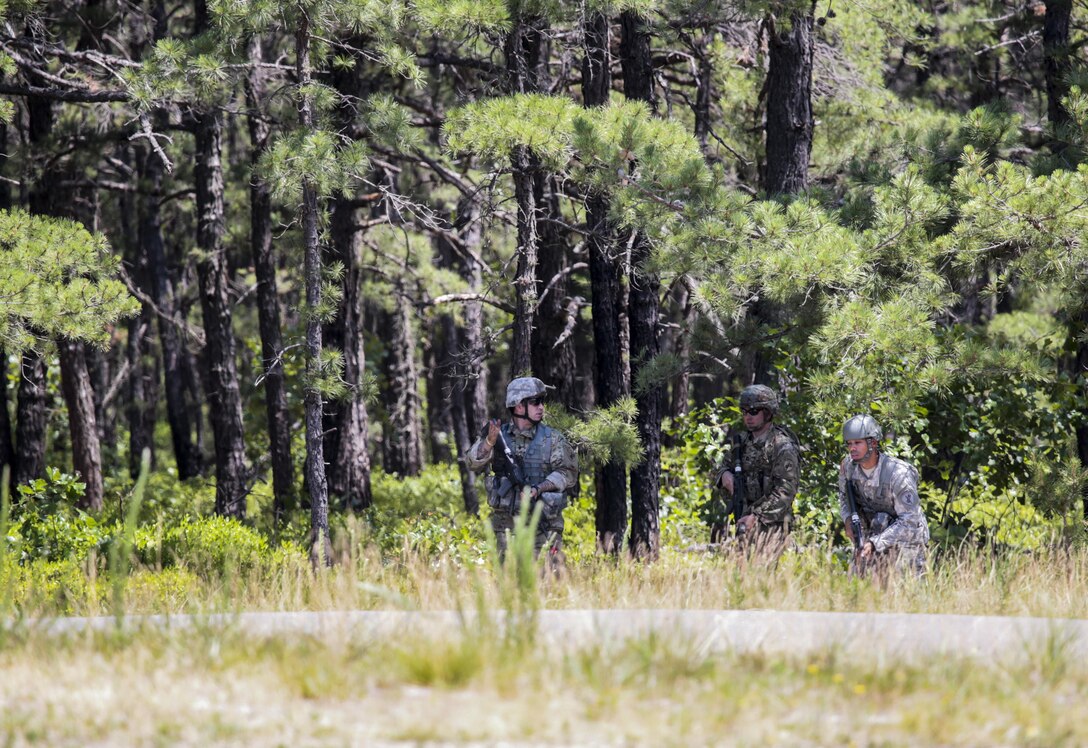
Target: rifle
507	466
739	499
855	520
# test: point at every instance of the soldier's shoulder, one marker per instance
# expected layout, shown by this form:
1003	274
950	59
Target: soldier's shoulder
785	439
553	433
901	469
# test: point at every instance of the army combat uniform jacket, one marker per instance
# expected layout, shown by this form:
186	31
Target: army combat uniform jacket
545	455
771	466
889	508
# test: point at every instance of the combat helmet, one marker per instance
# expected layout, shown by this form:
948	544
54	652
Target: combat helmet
861	427
524	387
759	396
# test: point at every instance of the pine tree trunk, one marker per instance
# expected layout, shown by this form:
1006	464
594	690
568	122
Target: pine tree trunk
268	305
1057	59
7	445
523	168
607	287
30	419
643	309
439	409
553	343
187	456
463	373
347	421
316	482
790	121
402	442
143	391
86	453
523	48
224	396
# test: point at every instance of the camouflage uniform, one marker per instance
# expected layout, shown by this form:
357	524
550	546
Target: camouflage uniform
546	456
890	512
771	465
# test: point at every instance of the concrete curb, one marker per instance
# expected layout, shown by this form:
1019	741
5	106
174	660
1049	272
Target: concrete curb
895	635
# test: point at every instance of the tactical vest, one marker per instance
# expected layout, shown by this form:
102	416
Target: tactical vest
757	462
884	500
536	455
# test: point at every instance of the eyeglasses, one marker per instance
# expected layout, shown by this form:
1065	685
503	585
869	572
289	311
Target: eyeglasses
534	401
752	411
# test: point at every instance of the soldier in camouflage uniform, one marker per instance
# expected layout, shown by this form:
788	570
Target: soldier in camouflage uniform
770	462
894	531
549	463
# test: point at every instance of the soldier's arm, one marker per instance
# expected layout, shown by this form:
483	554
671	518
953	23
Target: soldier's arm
783	489
479	455
564	464
909	525
844	504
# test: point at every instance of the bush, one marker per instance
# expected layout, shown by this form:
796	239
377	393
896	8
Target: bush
46	526
208	546
424	513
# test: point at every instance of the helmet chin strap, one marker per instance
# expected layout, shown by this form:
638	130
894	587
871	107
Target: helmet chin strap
526	416
868	451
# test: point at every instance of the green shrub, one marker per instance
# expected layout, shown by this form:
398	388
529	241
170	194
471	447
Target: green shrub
207	546
47	526
424	513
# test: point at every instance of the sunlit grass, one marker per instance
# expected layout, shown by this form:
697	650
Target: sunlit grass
223	686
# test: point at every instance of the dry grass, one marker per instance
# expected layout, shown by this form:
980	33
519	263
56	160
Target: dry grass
217	686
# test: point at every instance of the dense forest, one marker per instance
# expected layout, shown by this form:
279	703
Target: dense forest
295	248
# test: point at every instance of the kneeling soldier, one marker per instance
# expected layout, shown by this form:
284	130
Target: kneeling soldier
883	491
768	458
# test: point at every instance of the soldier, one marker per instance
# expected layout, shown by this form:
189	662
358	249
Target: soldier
541	455
894	531
770	463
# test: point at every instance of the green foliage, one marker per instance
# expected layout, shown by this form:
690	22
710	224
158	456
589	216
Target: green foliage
56	279
48	526
210	547
120	553
604	435
424	514
315	157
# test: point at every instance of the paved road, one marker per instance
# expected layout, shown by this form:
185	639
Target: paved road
769	631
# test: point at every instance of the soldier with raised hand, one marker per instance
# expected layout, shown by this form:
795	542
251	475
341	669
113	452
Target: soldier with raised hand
770	461
541	466
883	490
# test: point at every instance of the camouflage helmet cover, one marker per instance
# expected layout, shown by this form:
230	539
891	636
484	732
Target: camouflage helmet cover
861	427
759	396
524	387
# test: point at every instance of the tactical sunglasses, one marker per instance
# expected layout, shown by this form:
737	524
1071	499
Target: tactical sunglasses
752	411
534	401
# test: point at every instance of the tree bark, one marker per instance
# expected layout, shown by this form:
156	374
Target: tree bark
86	452
553	342
402	442
645	540
605	271
223	393
143	391
347	420
320	545
524	60
790	121
7	445
1057	60
187	456
268	305
30	419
